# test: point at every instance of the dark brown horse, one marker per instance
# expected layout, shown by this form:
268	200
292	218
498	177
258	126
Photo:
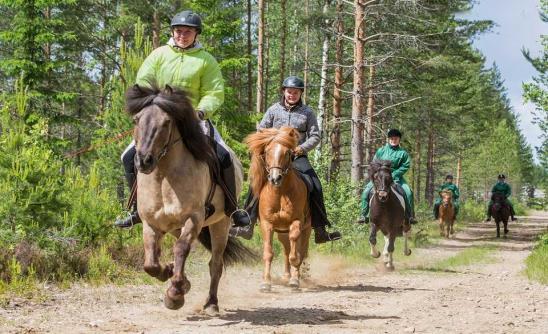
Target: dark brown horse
283	202
173	187
387	212
500	212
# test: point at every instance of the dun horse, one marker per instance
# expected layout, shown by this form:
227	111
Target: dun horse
500	212
173	186
446	213
387	212
283	202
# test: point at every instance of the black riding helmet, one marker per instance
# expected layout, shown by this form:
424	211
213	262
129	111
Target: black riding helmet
501	177
293	82
393	133
187	18
449	176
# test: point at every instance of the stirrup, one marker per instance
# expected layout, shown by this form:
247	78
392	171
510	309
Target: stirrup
238	216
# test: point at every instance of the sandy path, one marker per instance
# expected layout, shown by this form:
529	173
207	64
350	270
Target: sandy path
342	297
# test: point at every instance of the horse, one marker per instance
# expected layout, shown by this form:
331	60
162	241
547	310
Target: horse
387	212
283	200
500	212
446	213
174	185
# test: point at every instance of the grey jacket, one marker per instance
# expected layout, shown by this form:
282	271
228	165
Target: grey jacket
300	117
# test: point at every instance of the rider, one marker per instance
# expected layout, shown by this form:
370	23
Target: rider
400	164
448	185
501	187
184	63
290	111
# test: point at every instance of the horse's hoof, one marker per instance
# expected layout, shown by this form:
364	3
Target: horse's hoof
294	283
407	253
376	255
265	287
389	267
174	304
211	310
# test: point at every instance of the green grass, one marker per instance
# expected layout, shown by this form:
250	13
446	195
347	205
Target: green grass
466	257
537	262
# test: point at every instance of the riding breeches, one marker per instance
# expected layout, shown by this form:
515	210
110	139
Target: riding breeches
227	171
316	199
408	199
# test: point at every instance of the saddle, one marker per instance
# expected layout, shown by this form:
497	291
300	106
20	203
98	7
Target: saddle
307	179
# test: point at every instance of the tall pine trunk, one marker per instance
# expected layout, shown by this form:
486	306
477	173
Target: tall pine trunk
417	167
370	136
283	39
260	58
322	101
156	28
306	42
337	98
356	173
429	186
249	63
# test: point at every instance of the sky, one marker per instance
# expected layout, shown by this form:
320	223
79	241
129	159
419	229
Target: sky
518	26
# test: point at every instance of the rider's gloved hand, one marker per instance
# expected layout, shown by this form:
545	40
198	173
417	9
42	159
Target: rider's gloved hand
298	151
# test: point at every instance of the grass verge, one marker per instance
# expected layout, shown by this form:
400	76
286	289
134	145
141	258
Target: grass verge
537	262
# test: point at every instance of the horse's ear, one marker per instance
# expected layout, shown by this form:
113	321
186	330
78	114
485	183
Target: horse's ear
168	90
136	87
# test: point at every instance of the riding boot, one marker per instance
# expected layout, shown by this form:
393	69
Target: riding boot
321	235
513	213
133	217
249	215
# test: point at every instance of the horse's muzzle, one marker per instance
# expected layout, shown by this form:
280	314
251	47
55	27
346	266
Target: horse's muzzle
275	180
145	163
383	195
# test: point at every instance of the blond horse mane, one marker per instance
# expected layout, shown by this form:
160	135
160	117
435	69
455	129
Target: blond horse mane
257	143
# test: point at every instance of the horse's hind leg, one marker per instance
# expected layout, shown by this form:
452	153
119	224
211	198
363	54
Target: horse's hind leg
441	226
219	238
284	240
406	249
373	241
152	241
175	294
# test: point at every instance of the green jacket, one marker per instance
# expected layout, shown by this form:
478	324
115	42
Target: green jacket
194	70
400	160
502	187
454	189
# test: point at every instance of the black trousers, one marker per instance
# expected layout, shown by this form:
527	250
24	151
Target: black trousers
316	200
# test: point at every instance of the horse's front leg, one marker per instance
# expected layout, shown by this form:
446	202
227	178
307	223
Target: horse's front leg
219	238
295	256
152	240
373	241
441	225
284	240
175	294
498	228
388	251
406	249
505	227
267	232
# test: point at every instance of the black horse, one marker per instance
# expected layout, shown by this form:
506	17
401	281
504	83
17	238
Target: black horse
500	211
387	211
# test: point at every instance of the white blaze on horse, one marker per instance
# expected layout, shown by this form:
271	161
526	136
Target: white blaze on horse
174	184
387	212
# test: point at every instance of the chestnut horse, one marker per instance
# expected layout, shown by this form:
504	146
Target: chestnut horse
387	212
174	184
283	201
446	213
500	212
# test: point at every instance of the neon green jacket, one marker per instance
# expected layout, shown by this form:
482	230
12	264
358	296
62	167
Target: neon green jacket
194	70
400	160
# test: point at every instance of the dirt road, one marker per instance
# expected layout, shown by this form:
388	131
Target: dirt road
341	297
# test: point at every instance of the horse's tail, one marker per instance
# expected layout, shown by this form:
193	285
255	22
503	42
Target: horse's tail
235	251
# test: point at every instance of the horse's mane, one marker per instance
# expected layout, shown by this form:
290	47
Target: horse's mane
175	103
257	142
376	165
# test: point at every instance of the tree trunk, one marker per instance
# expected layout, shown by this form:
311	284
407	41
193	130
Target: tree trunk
260	44
266	52
283	39
322	100
459	171
306	40
337	99
156	28
429	189
417	167
249	63
356	173
370	136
